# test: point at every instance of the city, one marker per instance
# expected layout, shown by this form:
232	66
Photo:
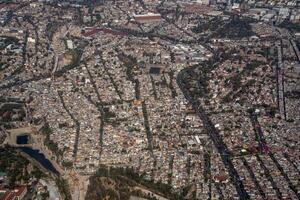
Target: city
150	99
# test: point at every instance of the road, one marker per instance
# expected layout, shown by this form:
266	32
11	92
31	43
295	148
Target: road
280	82
259	136
184	84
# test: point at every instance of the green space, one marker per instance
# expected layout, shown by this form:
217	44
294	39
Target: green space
121	183
52	146
63	188
17	168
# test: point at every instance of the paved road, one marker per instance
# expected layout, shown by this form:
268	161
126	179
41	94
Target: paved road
280	82
258	133
184	84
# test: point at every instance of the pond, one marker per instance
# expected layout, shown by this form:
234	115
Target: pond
23	139
40	158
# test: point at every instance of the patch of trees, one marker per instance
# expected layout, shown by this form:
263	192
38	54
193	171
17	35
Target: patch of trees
123	181
51	29
15	165
235	29
8	40
63	188
211	25
52	146
295	27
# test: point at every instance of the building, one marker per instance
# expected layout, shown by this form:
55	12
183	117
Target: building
150	17
70	44
16	194
205	2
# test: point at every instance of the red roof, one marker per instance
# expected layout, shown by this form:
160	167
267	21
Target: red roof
147	18
90	33
220	178
12	194
192	8
21	190
9	5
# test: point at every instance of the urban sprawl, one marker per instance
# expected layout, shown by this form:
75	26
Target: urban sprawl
188	93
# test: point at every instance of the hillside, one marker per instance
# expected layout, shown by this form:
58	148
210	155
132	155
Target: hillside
119	183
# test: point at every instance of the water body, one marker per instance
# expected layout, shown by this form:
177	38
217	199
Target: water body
22	139
40	158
